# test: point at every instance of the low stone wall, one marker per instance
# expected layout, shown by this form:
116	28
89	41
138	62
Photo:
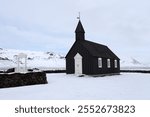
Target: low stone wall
22	79
54	71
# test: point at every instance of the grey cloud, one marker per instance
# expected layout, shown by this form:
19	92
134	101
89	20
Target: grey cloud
123	25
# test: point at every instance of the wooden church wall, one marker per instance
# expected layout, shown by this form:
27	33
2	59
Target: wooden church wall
89	63
96	70
69	65
86	61
70	58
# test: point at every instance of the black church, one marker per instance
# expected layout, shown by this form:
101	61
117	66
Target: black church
90	58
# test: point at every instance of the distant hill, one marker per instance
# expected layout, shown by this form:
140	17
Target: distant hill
35	59
50	60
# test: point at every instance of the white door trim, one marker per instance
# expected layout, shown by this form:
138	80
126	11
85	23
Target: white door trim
78	64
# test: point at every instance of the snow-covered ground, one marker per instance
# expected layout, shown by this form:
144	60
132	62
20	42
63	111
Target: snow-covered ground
70	87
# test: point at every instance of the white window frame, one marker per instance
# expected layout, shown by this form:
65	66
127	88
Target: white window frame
99	62
115	63
108	63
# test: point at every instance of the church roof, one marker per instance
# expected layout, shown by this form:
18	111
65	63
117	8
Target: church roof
98	50
94	49
79	28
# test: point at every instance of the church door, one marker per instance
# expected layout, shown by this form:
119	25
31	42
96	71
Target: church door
78	64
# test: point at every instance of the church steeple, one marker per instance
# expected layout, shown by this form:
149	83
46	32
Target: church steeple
80	32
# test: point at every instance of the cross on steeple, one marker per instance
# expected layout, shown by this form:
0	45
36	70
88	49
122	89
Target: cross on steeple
78	16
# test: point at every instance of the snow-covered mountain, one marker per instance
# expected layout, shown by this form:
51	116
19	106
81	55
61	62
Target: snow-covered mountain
51	60
35	59
134	63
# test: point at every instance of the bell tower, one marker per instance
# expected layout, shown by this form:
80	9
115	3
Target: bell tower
79	32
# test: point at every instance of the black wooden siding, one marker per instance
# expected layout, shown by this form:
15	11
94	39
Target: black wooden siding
96	70
89	63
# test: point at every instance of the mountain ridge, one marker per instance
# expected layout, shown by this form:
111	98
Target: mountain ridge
50	60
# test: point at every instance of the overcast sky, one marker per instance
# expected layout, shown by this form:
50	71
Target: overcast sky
49	25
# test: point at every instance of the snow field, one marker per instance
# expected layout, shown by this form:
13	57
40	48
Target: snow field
70	87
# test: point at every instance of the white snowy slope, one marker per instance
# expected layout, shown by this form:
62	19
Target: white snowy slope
36	59
70	87
131	63
51	60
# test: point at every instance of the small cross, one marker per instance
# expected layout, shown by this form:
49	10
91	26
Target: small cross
78	16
